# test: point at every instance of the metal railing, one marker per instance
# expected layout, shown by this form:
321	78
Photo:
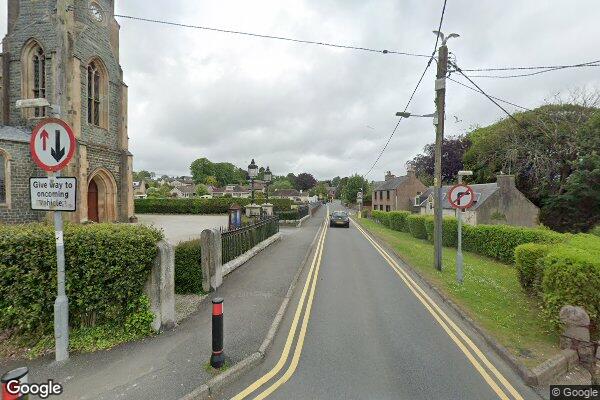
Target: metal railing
303	211
236	242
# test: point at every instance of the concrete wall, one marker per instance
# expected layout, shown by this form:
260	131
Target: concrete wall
160	287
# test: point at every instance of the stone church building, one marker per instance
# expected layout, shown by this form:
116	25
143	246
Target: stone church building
66	51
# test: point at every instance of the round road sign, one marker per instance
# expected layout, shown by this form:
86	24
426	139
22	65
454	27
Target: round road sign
52	144
461	196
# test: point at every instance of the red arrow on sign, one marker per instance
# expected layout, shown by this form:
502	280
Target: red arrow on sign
44	135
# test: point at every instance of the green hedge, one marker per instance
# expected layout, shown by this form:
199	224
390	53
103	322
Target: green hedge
397	220
218	205
288	215
500	241
530	266
416	225
571	276
106	268
449	230
188	268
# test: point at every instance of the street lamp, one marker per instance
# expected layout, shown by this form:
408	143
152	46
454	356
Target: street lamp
459	255
252	174
268	176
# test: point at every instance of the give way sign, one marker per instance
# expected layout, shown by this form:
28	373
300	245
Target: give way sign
52	144
461	196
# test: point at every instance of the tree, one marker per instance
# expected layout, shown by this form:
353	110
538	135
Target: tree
142	175
305	181
281	183
201	169
320	190
577	207
355	184
201	190
335	181
292	179
223	172
159	192
453	151
211	181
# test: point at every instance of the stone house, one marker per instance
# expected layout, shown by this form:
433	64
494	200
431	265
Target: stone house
140	190
495	203
184	192
291	194
82	37
233	191
397	192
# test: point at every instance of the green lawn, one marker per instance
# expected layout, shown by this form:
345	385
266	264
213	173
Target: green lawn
490	294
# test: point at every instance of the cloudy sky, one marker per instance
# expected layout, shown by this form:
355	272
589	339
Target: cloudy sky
298	107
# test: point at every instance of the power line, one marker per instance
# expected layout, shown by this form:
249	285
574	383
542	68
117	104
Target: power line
549	69
530	68
493	97
264	36
431	58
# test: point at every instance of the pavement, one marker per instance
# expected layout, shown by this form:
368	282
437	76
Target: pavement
179	228
172	364
368	336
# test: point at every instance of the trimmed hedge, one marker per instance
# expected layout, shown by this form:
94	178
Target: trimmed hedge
218	205
500	241
571	276
292	215
106	268
416	225
398	220
188	267
449	230
530	266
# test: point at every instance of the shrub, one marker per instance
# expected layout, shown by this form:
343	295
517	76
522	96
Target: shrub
595	230
398	220
530	266
500	241
106	268
188	268
416	226
571	276
218	205
377	215
288	215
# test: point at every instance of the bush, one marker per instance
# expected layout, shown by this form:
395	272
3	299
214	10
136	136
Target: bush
106	268
416	225
377	215
571	276
188	267
218	205
398	220
530	266
500	241
595	230
292	215
449	230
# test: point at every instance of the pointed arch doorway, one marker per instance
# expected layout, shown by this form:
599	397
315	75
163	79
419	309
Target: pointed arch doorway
102	197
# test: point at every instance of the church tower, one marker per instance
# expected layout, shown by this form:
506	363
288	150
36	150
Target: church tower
66	51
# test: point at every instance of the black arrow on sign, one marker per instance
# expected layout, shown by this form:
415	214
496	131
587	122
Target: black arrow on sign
56	152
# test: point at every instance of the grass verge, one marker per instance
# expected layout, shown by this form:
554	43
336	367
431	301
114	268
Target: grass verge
490	295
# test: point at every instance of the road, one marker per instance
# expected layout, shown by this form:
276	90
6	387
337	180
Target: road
359	328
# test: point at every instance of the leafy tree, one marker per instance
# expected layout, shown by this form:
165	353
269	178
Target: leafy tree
292	179
453	151
355	184
320	190
211	180
335	181
201	190
224	173
577	207
201	169
305	181
281	183
159	192
142	175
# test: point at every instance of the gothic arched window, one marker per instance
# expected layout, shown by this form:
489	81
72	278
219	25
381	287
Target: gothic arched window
4	179
33	61
96	94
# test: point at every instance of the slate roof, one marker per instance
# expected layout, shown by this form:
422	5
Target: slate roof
15	134
482	190
186	189
287	193
391	184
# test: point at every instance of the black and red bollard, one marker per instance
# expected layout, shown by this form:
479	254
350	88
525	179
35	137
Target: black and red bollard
10	381
217	358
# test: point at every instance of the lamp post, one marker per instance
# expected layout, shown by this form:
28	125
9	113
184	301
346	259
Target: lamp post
459	255
252	174
268	176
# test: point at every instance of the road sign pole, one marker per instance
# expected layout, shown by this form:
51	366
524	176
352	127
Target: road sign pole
61	304
459	255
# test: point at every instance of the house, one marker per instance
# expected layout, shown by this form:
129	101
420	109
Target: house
495	203
184	192
140	190
291	194
397	192
231	190
94	105
177	183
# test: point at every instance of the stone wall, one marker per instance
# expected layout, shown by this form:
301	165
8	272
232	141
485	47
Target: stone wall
508	206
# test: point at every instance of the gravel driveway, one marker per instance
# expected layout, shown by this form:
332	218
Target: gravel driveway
178	228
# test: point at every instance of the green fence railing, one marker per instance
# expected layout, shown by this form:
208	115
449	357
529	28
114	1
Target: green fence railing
236	242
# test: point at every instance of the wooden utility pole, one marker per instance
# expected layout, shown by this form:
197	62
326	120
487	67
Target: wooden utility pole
440	101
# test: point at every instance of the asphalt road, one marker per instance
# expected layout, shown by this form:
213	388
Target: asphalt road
368	336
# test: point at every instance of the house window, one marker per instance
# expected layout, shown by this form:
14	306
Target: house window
97	94
380	207
4	178
388	194
387	208
33	61
417	202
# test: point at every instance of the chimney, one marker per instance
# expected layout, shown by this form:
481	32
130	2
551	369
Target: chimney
388	176
505	182
410	172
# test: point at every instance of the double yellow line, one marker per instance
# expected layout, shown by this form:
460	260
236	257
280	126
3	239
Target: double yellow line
466	345
309	287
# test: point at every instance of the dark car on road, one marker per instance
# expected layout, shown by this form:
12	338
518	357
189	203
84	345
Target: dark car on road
339	218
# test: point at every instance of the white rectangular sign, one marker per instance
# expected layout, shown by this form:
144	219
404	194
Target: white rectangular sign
53	194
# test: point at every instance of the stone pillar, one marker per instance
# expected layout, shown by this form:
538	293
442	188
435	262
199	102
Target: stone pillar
160	287
252	210
576	335
268	209
212	269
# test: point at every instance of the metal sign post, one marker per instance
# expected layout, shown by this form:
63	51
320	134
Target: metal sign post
461	197
52	146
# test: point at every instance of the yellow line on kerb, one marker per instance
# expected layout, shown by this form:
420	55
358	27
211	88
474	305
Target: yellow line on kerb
292	333
438	314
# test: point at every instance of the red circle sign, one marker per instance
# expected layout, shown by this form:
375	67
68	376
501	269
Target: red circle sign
52	144
461	196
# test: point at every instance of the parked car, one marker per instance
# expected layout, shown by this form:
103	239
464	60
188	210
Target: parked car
339	218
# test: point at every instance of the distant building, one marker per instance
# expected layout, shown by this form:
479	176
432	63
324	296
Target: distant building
183	192
231	190
397	192
495	203
291	194
140	190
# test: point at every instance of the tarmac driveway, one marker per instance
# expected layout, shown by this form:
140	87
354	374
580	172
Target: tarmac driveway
179	228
